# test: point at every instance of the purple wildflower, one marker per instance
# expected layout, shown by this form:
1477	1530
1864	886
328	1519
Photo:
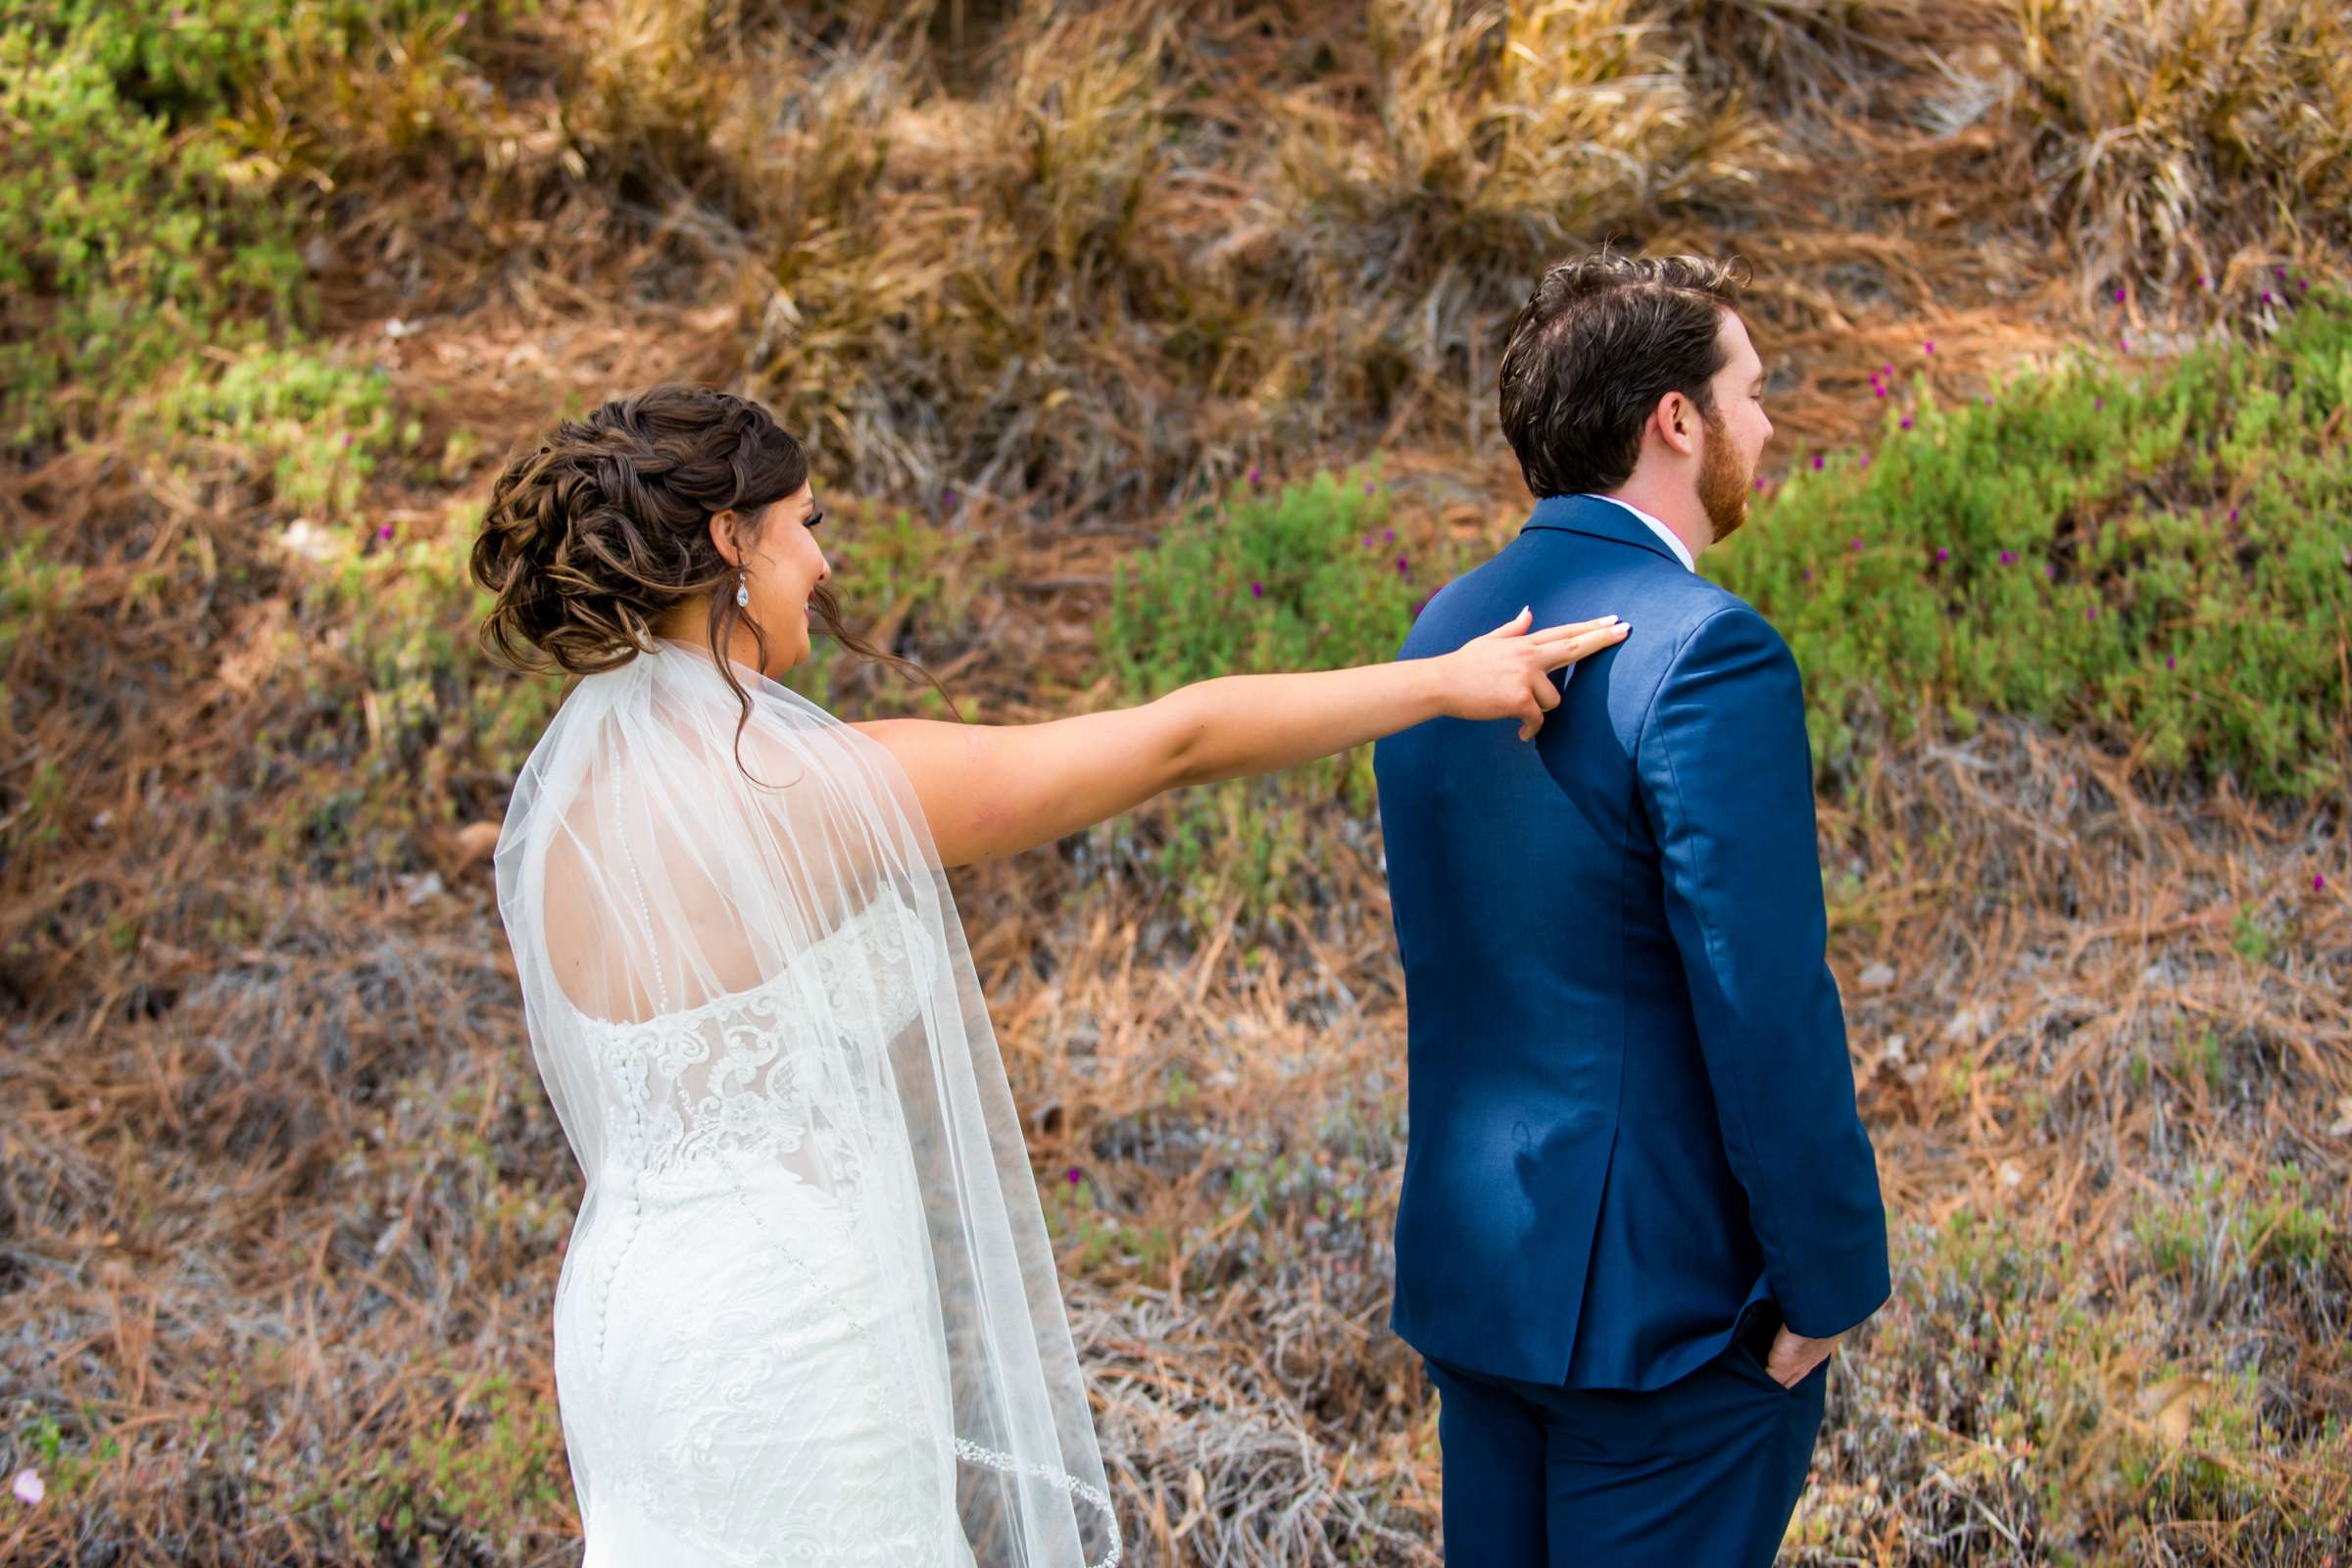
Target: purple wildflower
1988	400
1253	473
2098	403
2280	271
1942	552
1886	369
2319	884
1865	459
2266	296
1930	346
1257	590
1857	542
1389	535
1880	390
1808	574
2119	293
947	497
1906	422
384	532
2232	513
2008	557
29	1487
2050	570
2090	613
1076	1175
1367	487
1404	567
1367	541
2169	662
1759	483
1816	462
2204	280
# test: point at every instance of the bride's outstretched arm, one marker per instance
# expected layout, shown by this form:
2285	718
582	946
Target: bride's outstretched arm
992	790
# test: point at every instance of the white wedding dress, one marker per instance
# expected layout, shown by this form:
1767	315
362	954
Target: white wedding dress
732	1371
808	1314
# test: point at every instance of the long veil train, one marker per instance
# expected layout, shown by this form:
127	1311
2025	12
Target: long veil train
809	1312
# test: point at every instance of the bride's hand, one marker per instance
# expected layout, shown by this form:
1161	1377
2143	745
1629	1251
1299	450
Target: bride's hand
1508	672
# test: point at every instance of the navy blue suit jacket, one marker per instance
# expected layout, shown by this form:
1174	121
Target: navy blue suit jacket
1631	1109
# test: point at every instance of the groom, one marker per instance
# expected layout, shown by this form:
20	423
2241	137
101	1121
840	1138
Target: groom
1638	1206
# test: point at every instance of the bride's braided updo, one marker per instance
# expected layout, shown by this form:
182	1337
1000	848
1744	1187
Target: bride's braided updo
599	529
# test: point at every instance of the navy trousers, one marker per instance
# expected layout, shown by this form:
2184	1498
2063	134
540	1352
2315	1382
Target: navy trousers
1704	1472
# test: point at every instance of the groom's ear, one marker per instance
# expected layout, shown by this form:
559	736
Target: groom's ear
1677	421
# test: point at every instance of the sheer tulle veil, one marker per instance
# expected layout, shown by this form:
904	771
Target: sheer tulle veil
645	879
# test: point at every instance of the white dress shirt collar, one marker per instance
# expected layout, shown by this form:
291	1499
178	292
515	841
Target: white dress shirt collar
1682	551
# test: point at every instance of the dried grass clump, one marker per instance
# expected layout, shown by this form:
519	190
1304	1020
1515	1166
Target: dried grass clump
950	289
1502	134
2171	134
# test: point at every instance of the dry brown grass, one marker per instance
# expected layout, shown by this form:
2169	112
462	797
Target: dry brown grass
2172	131
1094	257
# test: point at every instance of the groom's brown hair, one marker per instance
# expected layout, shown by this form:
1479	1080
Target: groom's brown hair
1598	342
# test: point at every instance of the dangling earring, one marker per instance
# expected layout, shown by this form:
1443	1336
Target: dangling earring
743	588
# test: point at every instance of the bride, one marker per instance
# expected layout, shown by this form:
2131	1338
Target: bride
807	1314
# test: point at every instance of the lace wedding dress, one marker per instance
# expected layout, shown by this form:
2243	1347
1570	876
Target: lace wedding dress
808	1314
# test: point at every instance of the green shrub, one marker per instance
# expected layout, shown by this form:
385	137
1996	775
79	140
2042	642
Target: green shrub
2007	1371
1307	576
2165	557
1310	576
124	243
2282	1224
139	225
315	427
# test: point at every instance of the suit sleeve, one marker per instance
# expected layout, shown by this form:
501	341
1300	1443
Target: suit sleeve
1726	774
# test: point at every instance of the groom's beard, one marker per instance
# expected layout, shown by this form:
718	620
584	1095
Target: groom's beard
1722	486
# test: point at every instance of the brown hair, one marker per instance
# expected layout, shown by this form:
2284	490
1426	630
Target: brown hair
594	533
1594	347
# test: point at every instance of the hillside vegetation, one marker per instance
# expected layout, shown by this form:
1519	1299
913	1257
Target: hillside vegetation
1137	344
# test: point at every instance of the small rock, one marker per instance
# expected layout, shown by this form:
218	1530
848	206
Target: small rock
310	541
1878	977
2171	1407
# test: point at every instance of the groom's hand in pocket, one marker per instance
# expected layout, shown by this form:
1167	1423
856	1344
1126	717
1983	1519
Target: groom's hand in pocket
1793	1356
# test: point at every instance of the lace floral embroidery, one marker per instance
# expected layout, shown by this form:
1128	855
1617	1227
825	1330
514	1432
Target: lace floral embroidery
736	1127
